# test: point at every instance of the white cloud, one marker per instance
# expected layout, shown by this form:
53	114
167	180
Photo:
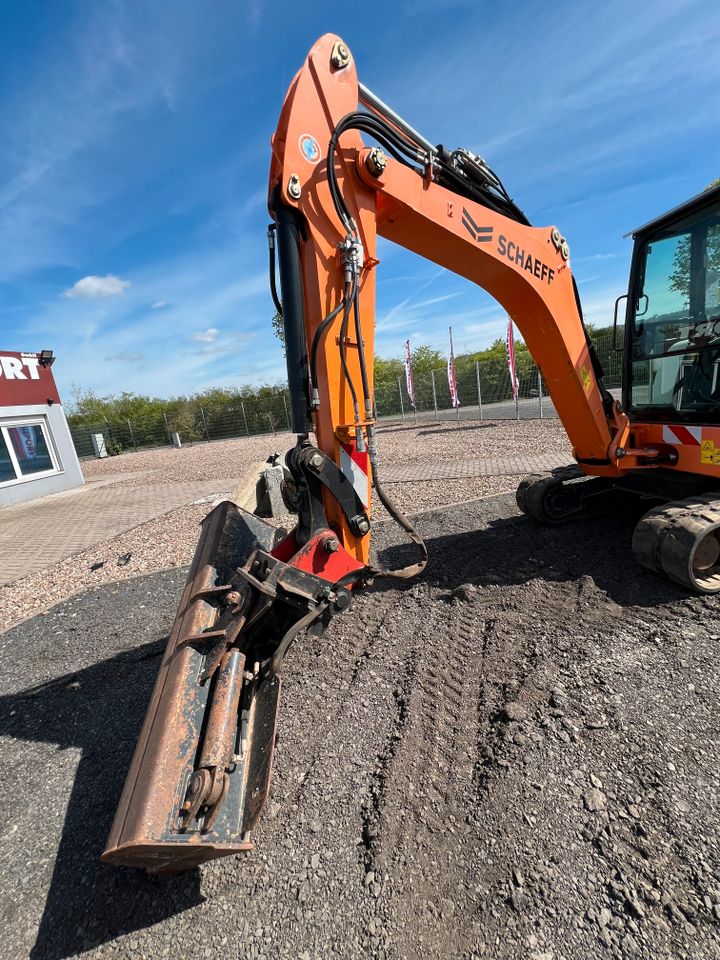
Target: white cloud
159	304
226	346
90	288
128	356
599	256
206	336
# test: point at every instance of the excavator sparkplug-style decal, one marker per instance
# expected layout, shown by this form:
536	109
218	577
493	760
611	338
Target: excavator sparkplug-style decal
481	234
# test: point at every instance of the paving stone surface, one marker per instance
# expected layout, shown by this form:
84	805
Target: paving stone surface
459	469
37	534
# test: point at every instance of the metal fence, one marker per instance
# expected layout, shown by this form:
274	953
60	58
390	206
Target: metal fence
193	422
482	394
484	390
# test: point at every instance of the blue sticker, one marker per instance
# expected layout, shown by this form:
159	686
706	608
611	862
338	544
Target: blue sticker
310	148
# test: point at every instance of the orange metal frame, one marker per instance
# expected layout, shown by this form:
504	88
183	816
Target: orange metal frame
521	267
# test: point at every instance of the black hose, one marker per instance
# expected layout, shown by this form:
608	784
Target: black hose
412	570
464	177
321	330
361	349
273	285
392	140
343	355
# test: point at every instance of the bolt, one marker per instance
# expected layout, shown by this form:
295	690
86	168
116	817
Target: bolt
331	544
340	56
376	162
342	600
555	236
620	453
232	597
294	187
363	526
316	460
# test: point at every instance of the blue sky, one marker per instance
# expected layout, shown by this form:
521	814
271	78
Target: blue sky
135	152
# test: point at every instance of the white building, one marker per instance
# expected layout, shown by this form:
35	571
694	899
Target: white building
37	455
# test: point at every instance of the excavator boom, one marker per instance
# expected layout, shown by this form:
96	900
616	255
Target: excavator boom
201	769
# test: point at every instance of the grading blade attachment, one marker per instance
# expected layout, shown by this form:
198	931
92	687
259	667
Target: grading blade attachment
201	769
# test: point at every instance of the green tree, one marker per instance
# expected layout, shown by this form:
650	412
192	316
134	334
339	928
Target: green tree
680	276
388	368
424	359
279	328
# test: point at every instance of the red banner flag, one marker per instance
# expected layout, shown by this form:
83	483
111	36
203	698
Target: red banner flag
510	343
452	382
408	374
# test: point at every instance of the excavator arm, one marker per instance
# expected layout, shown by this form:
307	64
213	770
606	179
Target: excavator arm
201	769
340	194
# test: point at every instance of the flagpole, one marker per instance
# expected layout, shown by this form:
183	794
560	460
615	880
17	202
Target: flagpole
510	348
454	376
409	379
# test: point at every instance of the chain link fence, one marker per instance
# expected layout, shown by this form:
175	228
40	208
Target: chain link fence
192	422
484	390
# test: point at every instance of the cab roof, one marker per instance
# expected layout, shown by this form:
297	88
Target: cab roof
700	200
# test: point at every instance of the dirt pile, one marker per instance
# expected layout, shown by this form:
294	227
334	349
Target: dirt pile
513	758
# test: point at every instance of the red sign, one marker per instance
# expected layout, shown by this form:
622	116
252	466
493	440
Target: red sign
24	381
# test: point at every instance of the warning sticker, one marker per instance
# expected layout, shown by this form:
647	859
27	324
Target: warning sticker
585	377
709	453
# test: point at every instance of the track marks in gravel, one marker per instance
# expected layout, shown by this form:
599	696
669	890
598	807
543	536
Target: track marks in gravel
423	798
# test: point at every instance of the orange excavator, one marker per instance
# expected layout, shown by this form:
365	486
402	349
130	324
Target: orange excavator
201	769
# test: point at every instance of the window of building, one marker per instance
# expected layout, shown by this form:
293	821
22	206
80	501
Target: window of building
25	451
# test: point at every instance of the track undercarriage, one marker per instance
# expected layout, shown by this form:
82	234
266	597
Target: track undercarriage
678	537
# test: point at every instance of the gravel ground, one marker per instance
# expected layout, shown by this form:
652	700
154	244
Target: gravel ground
432	442
198	461
170	540
471	439
167	541
514	757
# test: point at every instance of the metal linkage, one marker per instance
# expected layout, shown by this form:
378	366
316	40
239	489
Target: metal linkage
376	105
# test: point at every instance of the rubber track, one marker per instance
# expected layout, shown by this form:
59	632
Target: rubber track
668	520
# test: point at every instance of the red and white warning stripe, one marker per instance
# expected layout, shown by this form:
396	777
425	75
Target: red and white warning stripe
686	436
356	467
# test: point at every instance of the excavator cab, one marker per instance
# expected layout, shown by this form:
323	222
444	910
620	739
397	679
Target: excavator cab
671	398
672	329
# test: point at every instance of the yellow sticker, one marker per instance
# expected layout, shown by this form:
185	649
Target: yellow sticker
585	377
709	453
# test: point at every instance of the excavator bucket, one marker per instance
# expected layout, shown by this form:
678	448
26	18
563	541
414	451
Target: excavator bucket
201	769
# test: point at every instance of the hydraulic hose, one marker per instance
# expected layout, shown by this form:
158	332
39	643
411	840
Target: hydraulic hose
320	332
413	569
273	283
396	145
343	354
361	355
